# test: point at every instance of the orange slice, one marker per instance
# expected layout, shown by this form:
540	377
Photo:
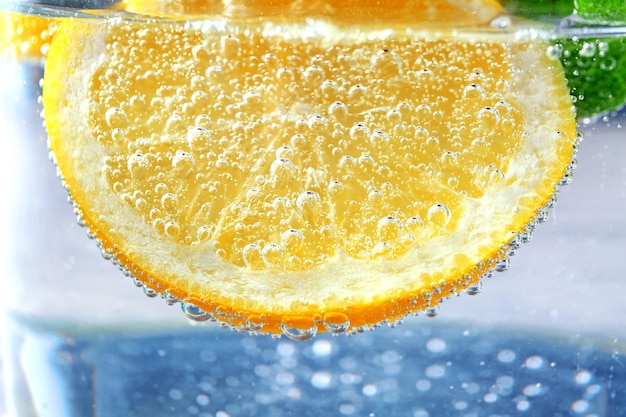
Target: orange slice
301	177
23	36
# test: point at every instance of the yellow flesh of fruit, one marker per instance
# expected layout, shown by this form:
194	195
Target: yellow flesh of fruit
283	177
23	37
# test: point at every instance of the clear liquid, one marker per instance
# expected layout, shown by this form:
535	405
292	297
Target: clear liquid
418	370
545	338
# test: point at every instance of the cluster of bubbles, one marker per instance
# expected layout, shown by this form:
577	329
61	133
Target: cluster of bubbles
301	150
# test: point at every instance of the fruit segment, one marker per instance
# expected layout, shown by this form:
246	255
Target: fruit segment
296	178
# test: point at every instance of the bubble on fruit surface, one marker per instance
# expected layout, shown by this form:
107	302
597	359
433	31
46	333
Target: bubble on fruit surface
474	92
389	228
359	132
299	330
230	46
194	312
309	203
183	162
314	75
284	152
438	215
272	255
338	110
474	289
255	322
292	241
336	323
555	52
282	172
489	117
382	251
432	311
138	165
503	264
252	256
116	117
386	64
171	229
169	201
379	137
335	188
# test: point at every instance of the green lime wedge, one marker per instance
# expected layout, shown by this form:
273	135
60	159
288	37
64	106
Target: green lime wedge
534	9
595	67
596	73
601	11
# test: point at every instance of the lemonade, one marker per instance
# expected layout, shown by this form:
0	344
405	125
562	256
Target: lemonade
544	338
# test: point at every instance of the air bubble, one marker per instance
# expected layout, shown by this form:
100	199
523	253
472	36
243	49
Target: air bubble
149	292
382	250
314	76
272	255
292	241
375	198
502	21
423	111
169	201
309	204
299	330
116	118
183	162
432	311
359	132
534	362
284	152
338	110
194	312
252	257
254	323
503	264
436	345
138	165
169	298
335	188
282	172
172	229
543	215
198	137
357	93
438	215
389	228
583	377
336	323
474	92
386	64
488	117
230	46
318	123
449	158
379	137
414	225
608	64
554	52
588	50
474	289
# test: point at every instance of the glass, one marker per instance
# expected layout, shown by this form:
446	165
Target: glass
546	337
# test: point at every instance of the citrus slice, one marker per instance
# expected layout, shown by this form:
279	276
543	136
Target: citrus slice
23	36
296	178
